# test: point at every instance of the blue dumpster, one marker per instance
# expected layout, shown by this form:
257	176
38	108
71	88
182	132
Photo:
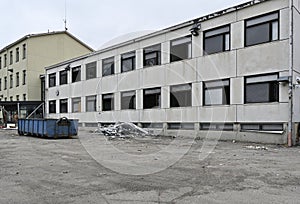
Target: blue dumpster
52	128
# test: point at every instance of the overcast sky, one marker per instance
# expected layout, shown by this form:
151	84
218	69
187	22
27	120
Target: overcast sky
96	22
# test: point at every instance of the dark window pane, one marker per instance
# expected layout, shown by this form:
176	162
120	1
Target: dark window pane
91	70
128	100
76	74
107	102
263	92
152	98
258	34
214	44
63	77
181	49
108	67
181	96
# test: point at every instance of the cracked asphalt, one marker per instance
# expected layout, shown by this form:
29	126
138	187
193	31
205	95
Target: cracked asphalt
38	170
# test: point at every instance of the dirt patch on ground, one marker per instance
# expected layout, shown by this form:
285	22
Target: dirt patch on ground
35	170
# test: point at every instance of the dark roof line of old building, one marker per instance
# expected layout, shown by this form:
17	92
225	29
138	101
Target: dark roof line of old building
44	34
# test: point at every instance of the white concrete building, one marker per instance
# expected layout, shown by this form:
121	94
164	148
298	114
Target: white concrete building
233	72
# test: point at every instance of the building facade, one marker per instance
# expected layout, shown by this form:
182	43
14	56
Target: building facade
233	73
22	63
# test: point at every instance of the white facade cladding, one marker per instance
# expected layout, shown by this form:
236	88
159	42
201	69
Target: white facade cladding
230	77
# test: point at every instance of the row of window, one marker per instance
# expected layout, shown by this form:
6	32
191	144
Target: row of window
11	98
267	127
11	56
258	30
11	80
258	89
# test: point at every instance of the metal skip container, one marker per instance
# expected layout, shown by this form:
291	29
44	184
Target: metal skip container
51	128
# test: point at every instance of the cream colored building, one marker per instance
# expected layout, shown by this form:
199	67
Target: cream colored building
23	61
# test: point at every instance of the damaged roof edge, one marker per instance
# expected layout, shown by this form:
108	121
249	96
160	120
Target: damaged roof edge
163	31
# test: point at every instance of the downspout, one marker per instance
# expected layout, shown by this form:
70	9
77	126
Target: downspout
291	74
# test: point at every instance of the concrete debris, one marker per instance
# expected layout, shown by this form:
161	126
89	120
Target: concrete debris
257	147
122	130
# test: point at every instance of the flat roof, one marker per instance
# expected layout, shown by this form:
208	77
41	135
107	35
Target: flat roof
163	31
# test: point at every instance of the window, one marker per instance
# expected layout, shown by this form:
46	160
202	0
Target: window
91	69
152	56
0	62
17	97
63	104
91	103
76	74
217	93
217	40
5	83
262	29
24	97
76	105
181	126
5	60
24	77
152	98
153	125
262	89
63	77
52	80
216	126
181	96
11	57
128	62
261	127
17	79
108	66
17	54
11	81
128	100
181	49
11	98
52	106
107	102
0	84
24	51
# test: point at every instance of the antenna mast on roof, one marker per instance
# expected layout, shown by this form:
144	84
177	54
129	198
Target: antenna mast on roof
65	20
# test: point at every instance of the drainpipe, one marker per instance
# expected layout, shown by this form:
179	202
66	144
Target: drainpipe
291	61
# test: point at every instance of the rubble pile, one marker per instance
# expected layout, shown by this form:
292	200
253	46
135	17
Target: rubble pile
123	130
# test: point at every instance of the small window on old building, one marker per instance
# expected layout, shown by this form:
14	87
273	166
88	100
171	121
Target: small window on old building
107	102
152	98
24	51
52	106
217	92
262	89
91	103
17	54
91	70
128	62
24	77
108	66
52	80
181	95
5	83
217	40
17	79
76	74
262	29
63	77
11	81
76	105
63	105
11	57
128	100
181	49
152	56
